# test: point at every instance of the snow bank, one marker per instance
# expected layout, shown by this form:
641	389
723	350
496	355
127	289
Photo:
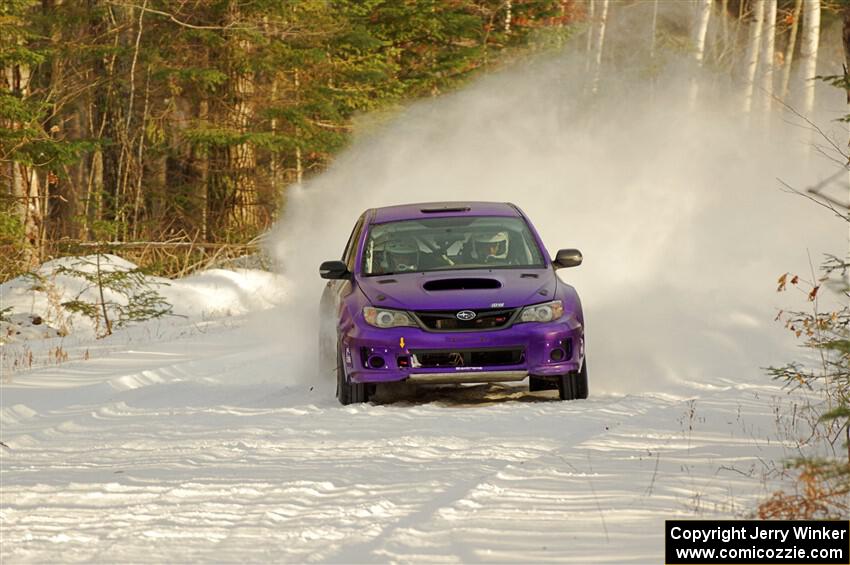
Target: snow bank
38	305
21	327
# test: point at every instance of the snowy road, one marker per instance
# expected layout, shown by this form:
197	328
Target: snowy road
202	448
209	437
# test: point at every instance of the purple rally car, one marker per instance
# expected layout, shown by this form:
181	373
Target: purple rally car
450	293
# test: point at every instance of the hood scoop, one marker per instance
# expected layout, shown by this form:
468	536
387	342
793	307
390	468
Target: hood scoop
461	284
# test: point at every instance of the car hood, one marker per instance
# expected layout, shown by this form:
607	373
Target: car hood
459	290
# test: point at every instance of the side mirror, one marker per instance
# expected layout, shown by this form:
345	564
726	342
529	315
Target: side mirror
567	258
334	270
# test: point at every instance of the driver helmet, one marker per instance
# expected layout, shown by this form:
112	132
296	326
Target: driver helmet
491	245
402	254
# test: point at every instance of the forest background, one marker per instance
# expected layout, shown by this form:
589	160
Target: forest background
169	130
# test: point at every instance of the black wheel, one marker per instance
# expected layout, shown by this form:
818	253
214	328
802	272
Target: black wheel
573	386
348	393
536	383
581	381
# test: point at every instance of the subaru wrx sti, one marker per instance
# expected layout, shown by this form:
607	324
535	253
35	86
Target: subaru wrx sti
450	292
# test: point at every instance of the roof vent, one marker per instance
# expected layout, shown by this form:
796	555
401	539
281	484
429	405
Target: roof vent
445	209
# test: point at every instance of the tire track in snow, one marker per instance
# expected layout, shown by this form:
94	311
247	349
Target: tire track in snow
201	463
276	443
551	508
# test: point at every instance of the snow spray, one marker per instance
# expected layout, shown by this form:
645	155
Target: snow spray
680	215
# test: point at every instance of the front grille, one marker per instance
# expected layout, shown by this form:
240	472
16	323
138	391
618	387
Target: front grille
435	358
447	321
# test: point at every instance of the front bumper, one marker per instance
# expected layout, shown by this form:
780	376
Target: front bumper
373	355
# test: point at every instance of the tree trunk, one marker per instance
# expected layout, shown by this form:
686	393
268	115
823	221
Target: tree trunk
26	185
99	123
845	40
130	164
767	55
60	212
119	158
241	157
809	54
94	204
600	44
17	180
724	22
700	30
789	50
275	169
34	215
591	28
242	161
299	163
204	174
138	199
78	179
654	29
752	59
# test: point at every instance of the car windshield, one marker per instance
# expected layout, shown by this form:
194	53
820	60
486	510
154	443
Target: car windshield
438	244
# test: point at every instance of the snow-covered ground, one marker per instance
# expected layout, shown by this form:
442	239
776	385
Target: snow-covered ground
208	434
190	438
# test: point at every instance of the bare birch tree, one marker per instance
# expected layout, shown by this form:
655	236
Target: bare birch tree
591	29
809	54
845	42
752	58
789	49
26	192
767	55
699	32
654	29
600	44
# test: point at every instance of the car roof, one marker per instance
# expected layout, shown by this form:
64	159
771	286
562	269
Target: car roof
442	210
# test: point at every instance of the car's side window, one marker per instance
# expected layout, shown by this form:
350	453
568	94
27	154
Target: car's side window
351	247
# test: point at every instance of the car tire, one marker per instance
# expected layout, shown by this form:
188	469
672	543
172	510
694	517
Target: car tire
573	386
536	383
327	349
346	392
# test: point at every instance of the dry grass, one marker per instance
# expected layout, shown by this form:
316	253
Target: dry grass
821	490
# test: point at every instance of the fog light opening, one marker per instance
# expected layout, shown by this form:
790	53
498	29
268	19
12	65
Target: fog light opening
403	362
568	348
376	362
557	355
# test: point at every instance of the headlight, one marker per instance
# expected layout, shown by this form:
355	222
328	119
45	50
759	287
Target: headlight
381	318
546	312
